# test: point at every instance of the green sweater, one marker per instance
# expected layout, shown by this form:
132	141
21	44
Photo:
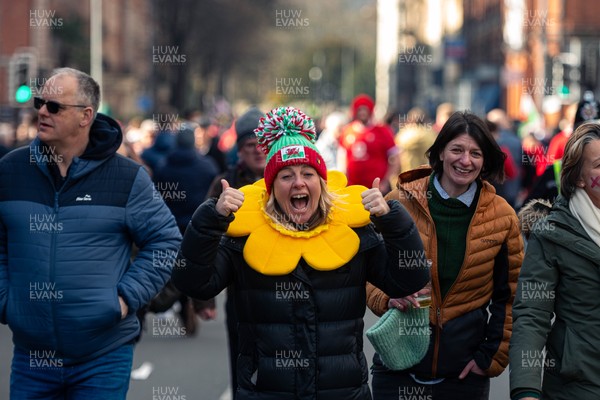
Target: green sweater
451	218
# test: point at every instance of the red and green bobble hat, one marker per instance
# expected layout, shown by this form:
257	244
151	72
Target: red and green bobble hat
287	136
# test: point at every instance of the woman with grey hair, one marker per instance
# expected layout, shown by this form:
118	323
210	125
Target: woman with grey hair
559	279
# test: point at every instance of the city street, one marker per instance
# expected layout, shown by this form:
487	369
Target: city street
189	368
454	129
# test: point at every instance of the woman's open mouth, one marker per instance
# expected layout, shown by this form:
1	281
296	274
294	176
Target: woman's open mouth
299	202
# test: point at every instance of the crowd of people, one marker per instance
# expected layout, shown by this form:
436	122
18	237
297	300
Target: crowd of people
315	220
353	142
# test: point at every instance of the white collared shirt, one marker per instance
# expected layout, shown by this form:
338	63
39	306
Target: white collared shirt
466	198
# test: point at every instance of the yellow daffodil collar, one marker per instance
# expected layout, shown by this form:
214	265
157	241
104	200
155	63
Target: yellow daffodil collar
271	249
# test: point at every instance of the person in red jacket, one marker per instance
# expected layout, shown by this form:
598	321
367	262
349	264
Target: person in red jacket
370	148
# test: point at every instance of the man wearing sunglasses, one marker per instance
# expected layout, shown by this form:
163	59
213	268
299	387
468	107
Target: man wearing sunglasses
71	210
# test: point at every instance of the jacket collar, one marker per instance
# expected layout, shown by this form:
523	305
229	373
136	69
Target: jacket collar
571	233
412	184
105	138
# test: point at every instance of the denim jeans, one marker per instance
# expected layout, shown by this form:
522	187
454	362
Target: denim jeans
39	374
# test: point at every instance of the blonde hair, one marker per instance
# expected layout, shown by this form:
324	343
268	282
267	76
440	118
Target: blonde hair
321	216
572	160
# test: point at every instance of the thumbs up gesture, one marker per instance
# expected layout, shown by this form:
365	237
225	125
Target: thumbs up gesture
373	200
230	199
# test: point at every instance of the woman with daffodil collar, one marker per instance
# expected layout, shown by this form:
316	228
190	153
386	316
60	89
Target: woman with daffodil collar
298	247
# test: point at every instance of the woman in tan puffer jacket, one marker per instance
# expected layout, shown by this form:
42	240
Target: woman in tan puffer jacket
472	238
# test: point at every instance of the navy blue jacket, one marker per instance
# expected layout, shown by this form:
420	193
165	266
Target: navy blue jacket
155	155
183	182
65	254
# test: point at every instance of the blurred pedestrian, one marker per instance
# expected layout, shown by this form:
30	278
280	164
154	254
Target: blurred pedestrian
413	139
141	135
533	164
472	237
26	130
442	113
183	182
185	177
69	290
297	246
576	114
3	149
508	140
328	141
207	142
392	119
510	167
251	160
555	345
155	155
249	168
547	186
370	148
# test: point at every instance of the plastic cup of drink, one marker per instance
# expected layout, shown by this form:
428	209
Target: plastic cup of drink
424	300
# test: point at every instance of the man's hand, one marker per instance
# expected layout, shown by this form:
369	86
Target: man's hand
124	307
208	313
230	199
373	200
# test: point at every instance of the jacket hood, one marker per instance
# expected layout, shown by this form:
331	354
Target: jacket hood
563	228
532	212
105	138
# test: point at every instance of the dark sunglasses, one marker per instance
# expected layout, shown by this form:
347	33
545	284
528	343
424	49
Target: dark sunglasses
53	107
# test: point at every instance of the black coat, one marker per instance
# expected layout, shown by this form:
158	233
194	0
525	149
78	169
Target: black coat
300	334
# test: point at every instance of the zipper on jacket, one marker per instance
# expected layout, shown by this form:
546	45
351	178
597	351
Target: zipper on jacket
56	202
443	301
307	283
53	253
53	265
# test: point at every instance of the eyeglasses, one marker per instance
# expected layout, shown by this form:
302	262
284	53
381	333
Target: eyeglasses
53	107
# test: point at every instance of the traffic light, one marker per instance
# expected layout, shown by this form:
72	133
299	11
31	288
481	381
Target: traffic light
22	68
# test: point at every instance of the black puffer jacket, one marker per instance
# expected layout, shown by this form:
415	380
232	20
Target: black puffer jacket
300	334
